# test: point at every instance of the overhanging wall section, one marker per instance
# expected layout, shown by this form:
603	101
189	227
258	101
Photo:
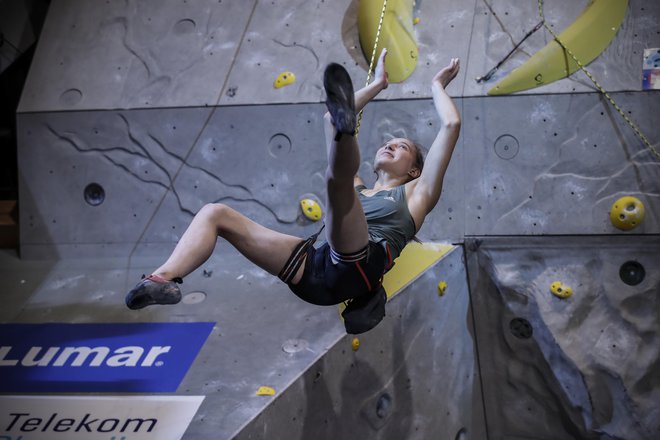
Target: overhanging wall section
585	366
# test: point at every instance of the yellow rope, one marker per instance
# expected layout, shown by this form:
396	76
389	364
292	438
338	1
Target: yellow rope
632	125
371	63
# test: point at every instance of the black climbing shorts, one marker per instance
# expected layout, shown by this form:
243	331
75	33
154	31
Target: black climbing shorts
326	283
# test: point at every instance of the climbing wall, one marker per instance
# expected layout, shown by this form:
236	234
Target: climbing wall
558	166
135	114
142	120
546	175
585	366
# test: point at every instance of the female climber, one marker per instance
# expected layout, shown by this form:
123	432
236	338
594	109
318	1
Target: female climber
367	228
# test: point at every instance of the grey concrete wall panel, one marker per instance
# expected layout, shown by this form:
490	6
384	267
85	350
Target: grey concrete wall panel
556	164
250	160
133	156
108	55
304	36
580	367
158	167
263	165
161	54
499	25
414	377
293	35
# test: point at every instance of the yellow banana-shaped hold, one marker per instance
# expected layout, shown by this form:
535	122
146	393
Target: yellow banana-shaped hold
586	37
396	35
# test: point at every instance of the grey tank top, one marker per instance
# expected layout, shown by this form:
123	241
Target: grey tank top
388	217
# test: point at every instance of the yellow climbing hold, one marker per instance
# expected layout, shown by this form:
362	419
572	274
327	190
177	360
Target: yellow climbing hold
355	343
414	260
442	286
284	79
416	20
265	391
586	38
396	34
559	290
627	213
311	209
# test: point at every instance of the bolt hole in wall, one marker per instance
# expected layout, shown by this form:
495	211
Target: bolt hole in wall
94	194
383	406
521	328
632	273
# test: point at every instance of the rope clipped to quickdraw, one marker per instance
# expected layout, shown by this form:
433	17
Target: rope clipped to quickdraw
632	125
371	62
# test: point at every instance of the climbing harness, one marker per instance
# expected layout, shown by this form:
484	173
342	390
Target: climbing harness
297	257
371	62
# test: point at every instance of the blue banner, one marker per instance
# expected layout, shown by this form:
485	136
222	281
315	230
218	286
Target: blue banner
116	358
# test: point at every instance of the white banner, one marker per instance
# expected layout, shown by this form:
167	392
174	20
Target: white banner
96	417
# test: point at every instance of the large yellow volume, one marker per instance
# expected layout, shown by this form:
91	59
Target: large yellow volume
396	35
586	37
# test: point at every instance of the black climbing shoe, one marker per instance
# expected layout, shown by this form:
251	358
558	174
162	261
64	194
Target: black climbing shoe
153	290
339	98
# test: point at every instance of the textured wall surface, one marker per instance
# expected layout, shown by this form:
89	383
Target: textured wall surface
168	105
173	161
131	54
583	367
158	167
569	159
150	53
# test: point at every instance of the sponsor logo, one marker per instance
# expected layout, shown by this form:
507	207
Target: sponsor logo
85	356
27	422
96	417
149	357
